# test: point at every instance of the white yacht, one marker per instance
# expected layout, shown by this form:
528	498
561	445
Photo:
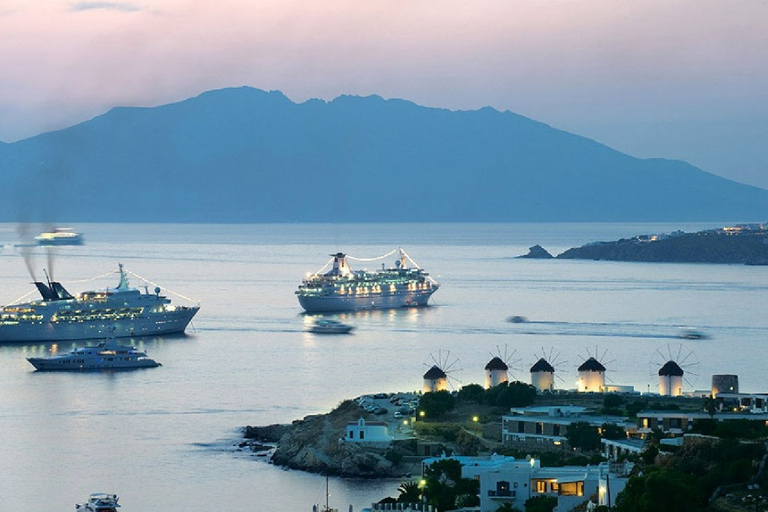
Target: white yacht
107	355
99	502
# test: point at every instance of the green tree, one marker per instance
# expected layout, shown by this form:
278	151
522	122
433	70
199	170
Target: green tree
635	407
612	404
471	393
613	431
507	507
540	504
710	405
510	394
582	435
444	484
410	492
436	403
659	490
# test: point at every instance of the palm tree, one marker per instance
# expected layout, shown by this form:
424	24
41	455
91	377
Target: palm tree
409	492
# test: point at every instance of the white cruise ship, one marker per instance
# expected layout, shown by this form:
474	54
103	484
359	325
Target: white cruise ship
90	315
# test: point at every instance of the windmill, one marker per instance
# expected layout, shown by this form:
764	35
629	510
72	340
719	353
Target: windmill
443	371
592	372
543	370
498	368
674	364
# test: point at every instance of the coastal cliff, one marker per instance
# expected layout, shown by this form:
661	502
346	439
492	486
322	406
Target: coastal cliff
313	444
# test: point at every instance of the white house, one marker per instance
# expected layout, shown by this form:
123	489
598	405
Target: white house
368	432
509	480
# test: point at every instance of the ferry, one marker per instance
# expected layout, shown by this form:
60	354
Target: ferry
344	289
61	316
59	236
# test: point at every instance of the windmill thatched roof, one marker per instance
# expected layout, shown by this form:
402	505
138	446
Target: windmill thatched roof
496	364
542	366
671	369
591	365
435	373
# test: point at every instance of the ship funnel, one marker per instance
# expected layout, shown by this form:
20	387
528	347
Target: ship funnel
46	292
60	291
340	265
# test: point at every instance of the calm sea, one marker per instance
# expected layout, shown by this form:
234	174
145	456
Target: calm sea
165	438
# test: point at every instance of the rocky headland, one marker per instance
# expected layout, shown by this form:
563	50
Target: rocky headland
313	444
740	244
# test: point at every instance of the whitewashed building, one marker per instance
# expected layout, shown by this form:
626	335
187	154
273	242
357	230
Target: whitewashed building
509	480
370	433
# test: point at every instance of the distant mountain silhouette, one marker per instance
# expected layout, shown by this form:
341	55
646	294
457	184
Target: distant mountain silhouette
246	155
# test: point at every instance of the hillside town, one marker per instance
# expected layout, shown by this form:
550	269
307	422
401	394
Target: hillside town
512	446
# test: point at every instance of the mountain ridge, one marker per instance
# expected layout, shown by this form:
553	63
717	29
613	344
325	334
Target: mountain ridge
246	155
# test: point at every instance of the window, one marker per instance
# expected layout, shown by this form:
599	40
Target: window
520	427
572	489
502	488
556	430
539	428
351	434
362	434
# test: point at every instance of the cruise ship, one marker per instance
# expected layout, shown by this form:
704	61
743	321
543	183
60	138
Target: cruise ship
61	316
344	289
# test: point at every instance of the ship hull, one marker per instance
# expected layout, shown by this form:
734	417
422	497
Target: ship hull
337	303
48	365
165	323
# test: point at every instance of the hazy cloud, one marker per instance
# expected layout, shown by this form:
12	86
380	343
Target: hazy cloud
112	6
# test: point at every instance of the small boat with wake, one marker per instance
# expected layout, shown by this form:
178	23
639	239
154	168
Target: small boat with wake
327	326
99	502
691	333
107	355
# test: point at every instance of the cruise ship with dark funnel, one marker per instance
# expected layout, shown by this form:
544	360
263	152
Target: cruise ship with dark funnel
92	314
344	289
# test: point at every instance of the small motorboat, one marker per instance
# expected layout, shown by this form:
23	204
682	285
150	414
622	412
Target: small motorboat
691	333
99	502
325	326
517	319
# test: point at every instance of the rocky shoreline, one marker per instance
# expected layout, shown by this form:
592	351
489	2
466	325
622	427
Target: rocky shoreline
313	444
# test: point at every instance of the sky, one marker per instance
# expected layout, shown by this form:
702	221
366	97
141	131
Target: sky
653	78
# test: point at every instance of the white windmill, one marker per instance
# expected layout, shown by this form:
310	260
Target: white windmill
543	370
443	372
592	373
499	368
674	364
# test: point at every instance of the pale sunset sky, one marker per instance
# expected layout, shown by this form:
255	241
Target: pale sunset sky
653	78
